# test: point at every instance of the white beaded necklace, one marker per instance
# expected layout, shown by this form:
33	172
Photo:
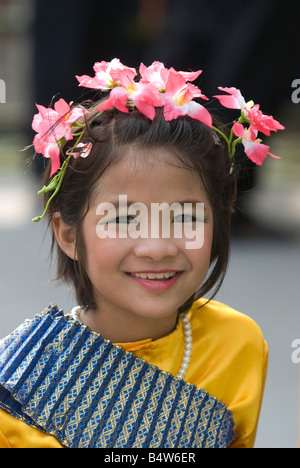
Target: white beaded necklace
75	313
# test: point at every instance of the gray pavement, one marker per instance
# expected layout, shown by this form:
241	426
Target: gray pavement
262	282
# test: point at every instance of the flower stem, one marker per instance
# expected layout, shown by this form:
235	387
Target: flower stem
230	144
56	181
55	185
220	133
238	140
227	140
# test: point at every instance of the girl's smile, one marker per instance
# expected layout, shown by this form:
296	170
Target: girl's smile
156	280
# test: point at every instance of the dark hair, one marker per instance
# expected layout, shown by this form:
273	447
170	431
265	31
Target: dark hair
195	146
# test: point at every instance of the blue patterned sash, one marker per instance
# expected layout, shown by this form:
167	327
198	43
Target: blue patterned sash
62	378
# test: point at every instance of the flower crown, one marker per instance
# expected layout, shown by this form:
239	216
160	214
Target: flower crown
157	87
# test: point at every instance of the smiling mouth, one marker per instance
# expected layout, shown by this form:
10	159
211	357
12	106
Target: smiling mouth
155	275
158	281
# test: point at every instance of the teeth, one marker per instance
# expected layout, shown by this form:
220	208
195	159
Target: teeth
153	276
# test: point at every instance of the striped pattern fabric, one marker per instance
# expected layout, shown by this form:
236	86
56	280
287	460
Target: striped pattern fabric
62	378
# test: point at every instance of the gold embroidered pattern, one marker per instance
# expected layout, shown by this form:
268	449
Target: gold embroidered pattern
58	376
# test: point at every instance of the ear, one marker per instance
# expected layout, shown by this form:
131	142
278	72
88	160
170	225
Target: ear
65	236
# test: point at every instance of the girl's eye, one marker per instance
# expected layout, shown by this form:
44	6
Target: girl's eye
123	220
184	218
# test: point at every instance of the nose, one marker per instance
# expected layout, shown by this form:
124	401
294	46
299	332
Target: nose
155	249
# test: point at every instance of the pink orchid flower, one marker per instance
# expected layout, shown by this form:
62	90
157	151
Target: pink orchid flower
118	98
144	96
107	75
235	99
259	121
189	76
53	125
250	112
178	99
255	151
158	75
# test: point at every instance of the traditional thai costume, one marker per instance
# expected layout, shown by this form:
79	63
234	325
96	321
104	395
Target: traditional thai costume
63	385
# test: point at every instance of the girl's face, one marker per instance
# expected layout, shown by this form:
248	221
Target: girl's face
140	280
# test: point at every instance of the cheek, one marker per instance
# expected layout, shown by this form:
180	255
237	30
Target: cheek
200	257
103	255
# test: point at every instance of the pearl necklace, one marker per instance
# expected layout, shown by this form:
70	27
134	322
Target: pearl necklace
187	331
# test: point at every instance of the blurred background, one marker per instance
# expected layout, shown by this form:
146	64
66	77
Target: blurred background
253	46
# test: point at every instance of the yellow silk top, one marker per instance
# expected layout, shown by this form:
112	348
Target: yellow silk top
229	361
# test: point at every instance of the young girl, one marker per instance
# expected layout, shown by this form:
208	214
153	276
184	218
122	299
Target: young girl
146	359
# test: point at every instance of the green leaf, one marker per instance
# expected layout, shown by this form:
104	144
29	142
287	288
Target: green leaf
49	188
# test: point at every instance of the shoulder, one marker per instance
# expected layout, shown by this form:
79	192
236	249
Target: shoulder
232	360
225	325
214	313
